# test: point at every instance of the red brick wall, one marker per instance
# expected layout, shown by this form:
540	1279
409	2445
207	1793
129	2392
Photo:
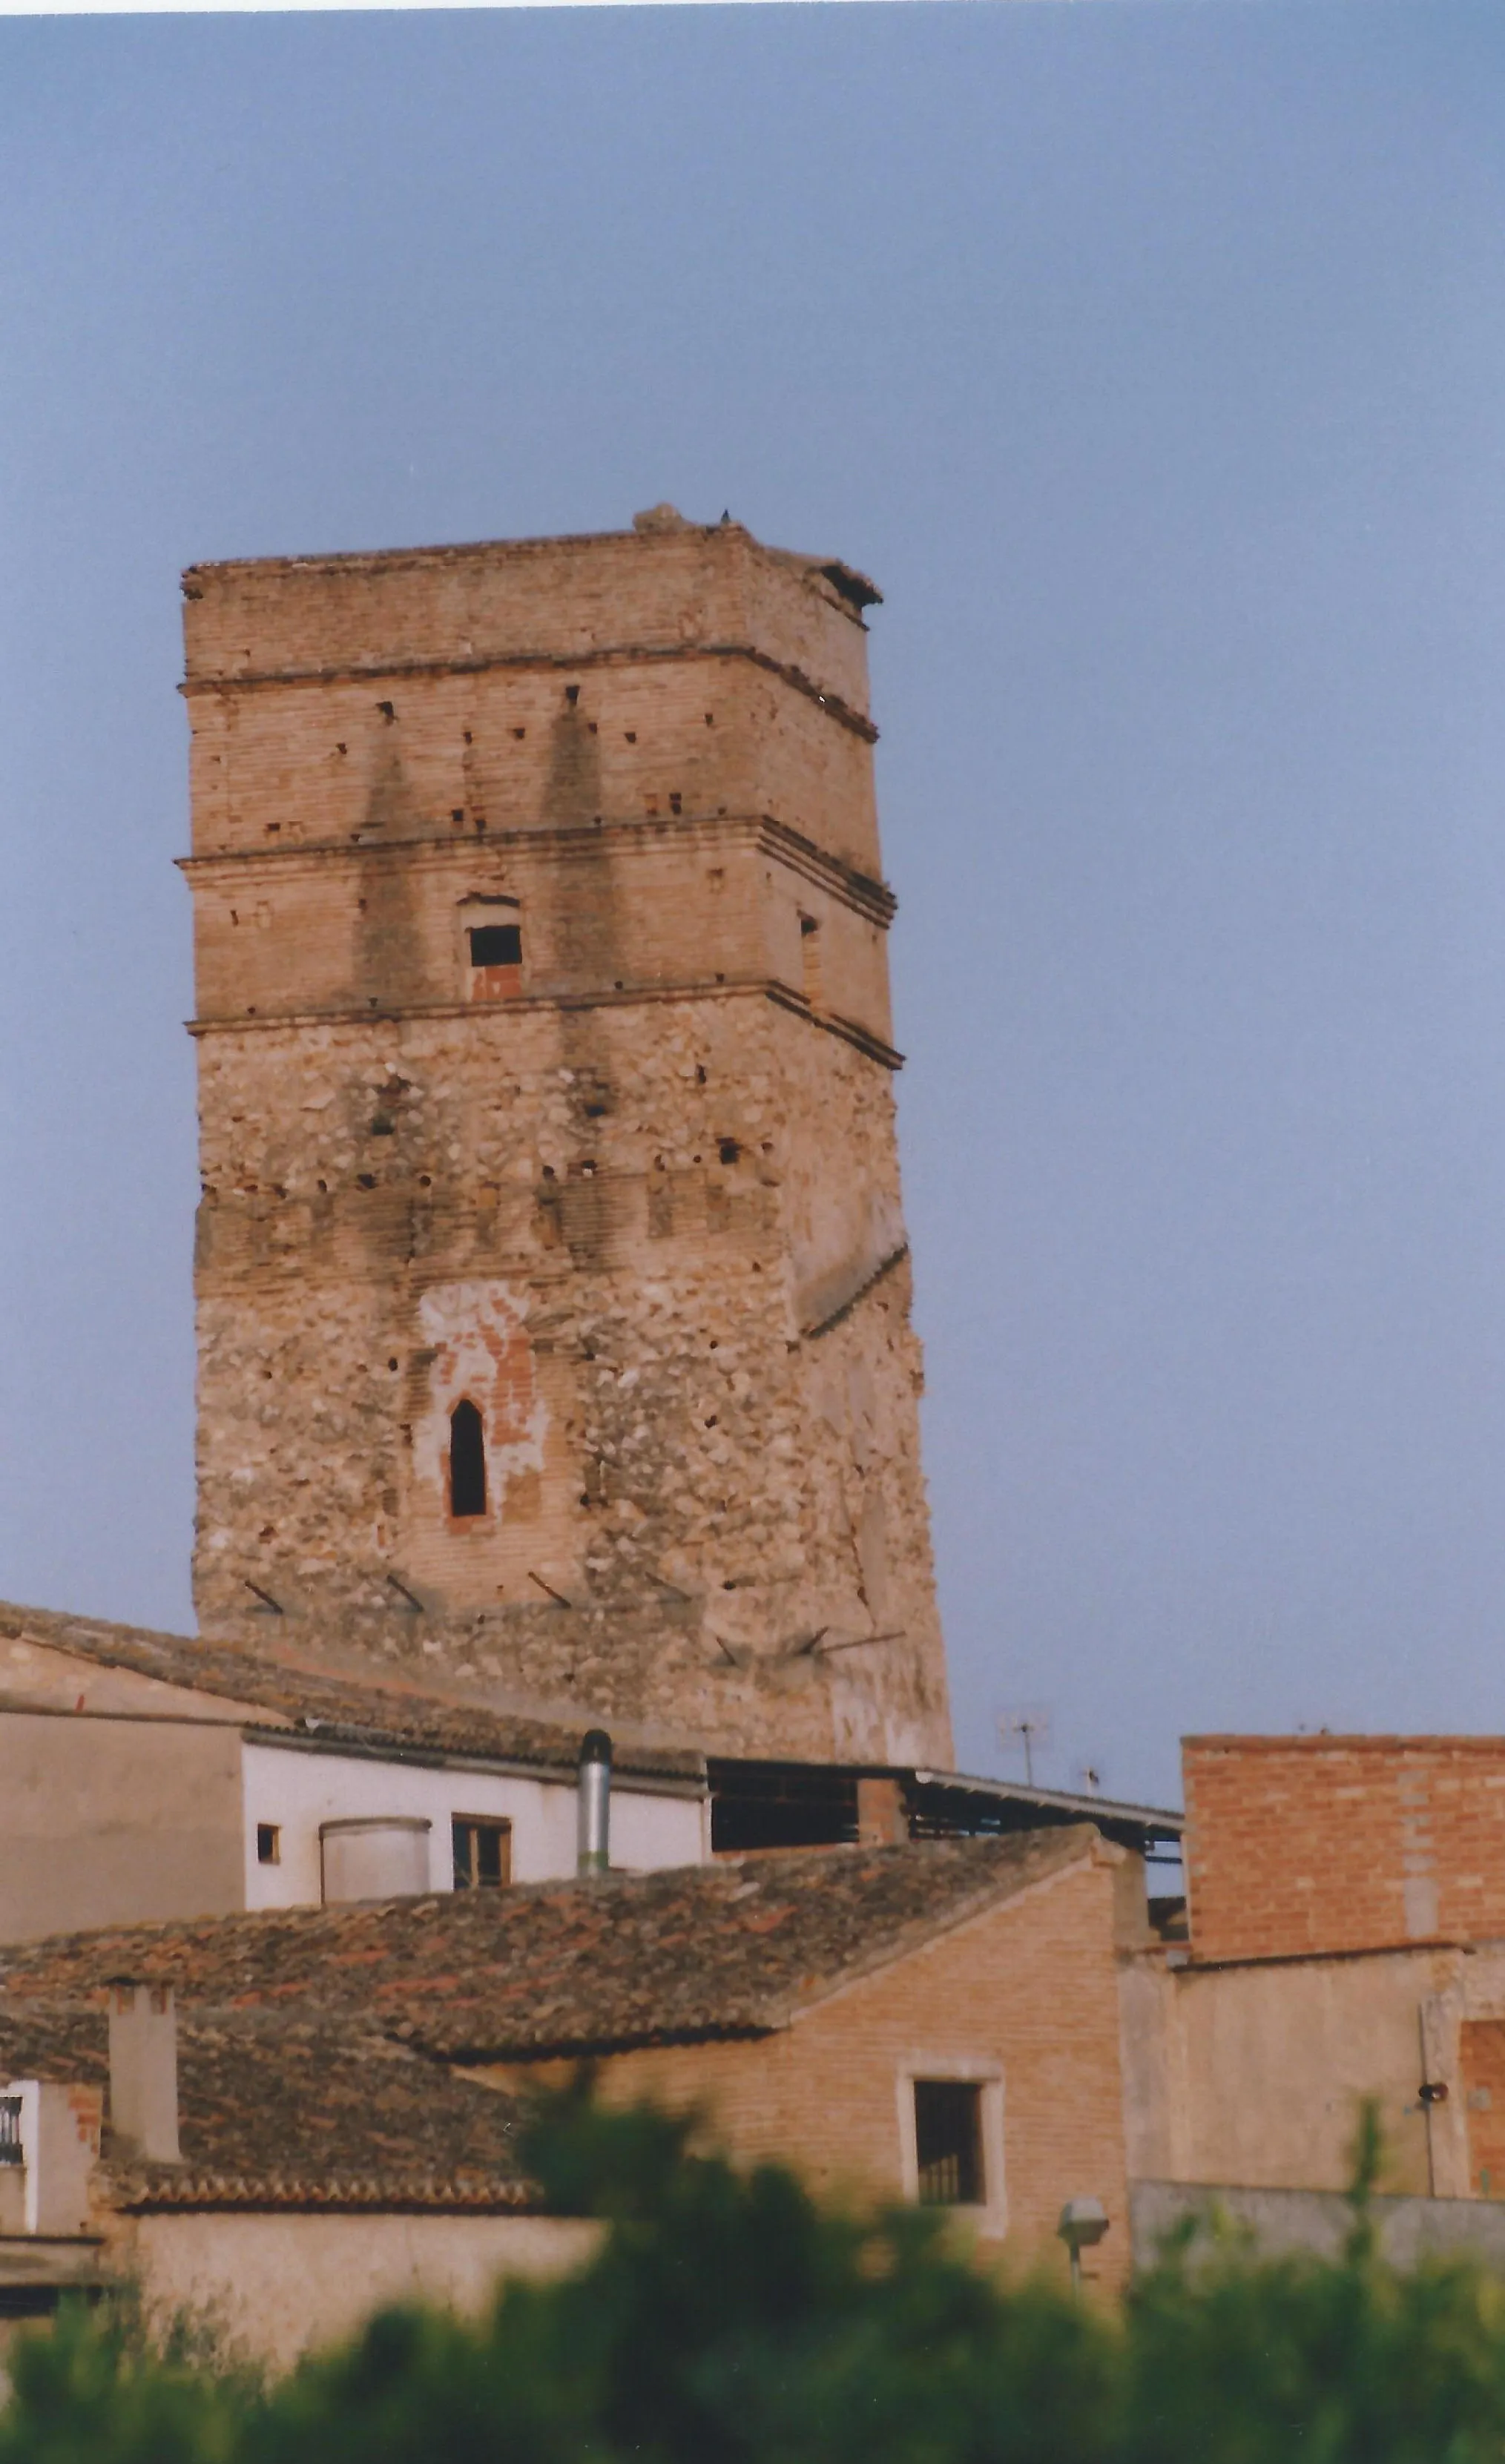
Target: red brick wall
1342	1844
1483	2065
1033	1986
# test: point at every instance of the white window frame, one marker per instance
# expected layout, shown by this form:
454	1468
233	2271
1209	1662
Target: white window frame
974	2070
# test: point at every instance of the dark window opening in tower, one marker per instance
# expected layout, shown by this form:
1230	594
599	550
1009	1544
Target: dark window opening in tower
496	945
494	949
467	1462
810	958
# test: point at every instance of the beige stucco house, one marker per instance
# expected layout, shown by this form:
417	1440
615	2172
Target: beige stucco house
148	1774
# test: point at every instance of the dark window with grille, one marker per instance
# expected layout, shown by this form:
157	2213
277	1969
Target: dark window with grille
467	1460
482	1854
496	945
948	2143
10	2148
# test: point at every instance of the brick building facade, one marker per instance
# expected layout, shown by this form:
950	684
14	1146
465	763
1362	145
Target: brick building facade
1020	2002
1342	1844
1347	1900
553	1295
338	2092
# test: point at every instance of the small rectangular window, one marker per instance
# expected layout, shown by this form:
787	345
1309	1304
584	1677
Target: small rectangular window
269	1843
948	2143
482	1854
496	945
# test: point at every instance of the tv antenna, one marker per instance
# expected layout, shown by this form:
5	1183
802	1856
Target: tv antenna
1028	1727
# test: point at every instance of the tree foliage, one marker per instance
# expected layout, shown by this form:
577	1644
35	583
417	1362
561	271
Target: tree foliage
726	2319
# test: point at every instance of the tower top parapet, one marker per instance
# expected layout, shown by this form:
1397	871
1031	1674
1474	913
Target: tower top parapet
662	588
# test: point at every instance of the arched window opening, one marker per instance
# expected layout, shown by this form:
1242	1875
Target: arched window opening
467	1460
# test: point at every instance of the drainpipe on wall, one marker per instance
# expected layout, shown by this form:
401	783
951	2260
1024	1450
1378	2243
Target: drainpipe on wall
594	1803
1440	2095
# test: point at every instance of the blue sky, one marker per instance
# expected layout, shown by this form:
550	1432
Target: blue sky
1153	358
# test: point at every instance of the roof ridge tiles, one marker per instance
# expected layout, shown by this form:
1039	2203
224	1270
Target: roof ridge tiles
681	1953
312	1697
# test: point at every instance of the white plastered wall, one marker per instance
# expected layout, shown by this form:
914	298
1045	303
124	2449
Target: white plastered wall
297	1789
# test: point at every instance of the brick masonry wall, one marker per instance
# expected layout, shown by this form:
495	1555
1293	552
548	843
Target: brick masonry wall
316	761
1483	2067
661	593
636	909
637	1200
1032	1987
1342	1844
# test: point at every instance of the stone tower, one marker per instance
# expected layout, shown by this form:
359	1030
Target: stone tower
553	1295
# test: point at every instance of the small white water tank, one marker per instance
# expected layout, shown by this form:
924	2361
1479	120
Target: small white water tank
382	1857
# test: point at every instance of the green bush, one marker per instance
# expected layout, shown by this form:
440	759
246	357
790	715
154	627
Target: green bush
1232	2361
97	2389
729	2320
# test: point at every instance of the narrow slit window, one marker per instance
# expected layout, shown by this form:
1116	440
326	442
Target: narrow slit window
482	1854
496	945
467	1460
948	2143
810	960
269	1843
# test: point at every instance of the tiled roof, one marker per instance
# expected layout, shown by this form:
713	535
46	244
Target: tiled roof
324	1703
293	2109
563	1968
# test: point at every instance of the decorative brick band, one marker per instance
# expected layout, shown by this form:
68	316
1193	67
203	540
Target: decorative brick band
859	891
761	988
486	661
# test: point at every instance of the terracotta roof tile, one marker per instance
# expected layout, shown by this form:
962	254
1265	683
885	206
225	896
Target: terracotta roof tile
293	2110
329	1704
563	1968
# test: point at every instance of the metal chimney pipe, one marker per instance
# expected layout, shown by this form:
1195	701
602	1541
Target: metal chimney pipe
594	1803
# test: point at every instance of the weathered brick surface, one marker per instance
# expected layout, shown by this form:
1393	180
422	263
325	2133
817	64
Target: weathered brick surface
1030	1987
1342	1844
615	915
286	761
606	595
637	1198
1483	2065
